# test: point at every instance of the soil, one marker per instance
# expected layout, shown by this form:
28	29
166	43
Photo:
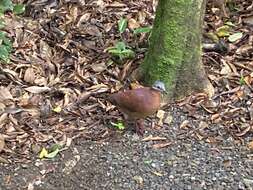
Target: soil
128	161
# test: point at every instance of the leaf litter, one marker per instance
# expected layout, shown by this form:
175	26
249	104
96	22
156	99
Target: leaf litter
54	89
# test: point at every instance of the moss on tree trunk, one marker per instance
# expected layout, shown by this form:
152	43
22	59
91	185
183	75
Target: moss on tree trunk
174	55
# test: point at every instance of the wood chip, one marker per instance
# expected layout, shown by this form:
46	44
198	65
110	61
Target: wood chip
151	138
161	145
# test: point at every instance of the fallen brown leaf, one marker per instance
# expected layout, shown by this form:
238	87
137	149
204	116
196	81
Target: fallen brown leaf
162	145
160	114
250	145
133	24
185	124
29	75
246	130
151	138
5	94
37	89
2	142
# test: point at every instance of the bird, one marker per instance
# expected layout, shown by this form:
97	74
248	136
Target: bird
137	104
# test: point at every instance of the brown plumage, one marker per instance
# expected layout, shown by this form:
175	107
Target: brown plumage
139	103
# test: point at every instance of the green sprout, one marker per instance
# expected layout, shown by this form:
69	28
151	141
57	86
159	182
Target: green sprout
119	125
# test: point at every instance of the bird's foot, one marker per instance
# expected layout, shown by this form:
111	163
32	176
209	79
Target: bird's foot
139	127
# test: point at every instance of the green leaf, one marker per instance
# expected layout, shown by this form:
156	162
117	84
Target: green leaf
121	51
6	5
128	53
234	37
4	54
53	153
43	153
57	109
242	81
2	35
142	30
114	51
54	147
2	24
118	125
148	161
19	9
212	36
5	41
110	62
122	24
223	31
229	23
120	46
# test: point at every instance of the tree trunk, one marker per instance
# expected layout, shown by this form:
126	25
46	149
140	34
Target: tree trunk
174	55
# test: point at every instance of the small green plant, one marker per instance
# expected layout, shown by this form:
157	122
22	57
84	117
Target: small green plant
242	81
5	47
232	6
142	30
122	24
5	42
51	152
119	125
121	51
7	5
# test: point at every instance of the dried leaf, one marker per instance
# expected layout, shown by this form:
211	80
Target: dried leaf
45	50
139	180
83	19
227	163
3	118
57	109
92	30
162	145
203	125
70	164
133	24
135	85
99	88
246	130
248	20
29	75
151	138
158	174
99	67
215	118
250	145
185	124
3	160
160	114
37	89
2	143
5	94
225	69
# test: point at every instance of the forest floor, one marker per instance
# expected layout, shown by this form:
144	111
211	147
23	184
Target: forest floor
127	161
52	98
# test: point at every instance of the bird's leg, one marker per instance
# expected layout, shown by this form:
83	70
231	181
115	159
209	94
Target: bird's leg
127	120
139	127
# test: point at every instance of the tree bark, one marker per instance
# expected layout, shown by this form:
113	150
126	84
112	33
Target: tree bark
174	55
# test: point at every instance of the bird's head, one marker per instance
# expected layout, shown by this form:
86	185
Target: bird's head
159	86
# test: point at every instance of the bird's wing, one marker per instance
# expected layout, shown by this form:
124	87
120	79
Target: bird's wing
133	100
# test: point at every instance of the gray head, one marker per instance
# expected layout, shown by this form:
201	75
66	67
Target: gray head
159	85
